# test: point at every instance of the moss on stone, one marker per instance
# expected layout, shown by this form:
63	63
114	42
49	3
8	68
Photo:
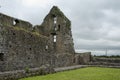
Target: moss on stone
35	33
20	28
68	24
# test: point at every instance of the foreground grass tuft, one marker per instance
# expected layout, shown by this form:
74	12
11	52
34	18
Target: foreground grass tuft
90	73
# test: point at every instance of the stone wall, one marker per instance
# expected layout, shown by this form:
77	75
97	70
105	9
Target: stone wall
23	49
108	60
83	58
57	27
23	46
17	74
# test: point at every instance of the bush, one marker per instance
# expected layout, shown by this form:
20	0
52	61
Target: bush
27	69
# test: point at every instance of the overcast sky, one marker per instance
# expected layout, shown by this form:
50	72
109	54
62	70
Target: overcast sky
95	23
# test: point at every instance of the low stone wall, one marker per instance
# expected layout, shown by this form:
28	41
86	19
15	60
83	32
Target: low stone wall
15	75
106	61
82	58
109	60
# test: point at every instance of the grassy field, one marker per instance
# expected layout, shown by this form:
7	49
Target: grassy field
90	73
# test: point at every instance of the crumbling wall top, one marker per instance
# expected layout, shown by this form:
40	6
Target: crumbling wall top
14	22
56	12
54	17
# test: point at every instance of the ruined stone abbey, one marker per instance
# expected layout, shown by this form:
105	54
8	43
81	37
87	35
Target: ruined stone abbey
24	45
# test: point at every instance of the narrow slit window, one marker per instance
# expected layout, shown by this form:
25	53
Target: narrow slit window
55	20
46	47
58	27
54	38
30	48
1	57
55	29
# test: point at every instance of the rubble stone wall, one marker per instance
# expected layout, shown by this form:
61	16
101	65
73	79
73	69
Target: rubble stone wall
24	46
83	58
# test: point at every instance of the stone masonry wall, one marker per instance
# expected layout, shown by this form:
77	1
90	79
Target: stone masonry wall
83	58
23	46
23	49
109	60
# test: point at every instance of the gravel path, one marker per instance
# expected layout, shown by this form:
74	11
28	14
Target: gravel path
69	68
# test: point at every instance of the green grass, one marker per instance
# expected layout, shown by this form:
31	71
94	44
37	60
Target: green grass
90	73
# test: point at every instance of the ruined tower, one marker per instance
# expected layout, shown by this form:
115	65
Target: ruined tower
57	27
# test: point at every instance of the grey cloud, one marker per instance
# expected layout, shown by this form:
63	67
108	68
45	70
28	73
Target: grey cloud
95	23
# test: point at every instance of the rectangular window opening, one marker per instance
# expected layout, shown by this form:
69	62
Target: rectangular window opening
55	20
59	27
46	47
54	38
